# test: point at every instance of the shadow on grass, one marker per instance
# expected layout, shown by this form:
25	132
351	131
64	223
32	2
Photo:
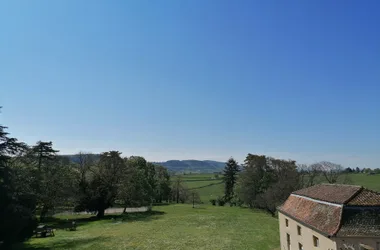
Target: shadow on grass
62	244
162	204
60	223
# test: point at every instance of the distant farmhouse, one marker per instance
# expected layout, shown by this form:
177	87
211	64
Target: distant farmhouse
331	217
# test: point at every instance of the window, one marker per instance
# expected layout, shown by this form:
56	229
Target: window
299	230
288	240
316	241
300	247
286	222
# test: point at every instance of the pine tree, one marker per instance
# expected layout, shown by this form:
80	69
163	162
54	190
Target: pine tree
17	219
230	177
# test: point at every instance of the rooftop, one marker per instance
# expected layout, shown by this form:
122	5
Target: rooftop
334	193
336	210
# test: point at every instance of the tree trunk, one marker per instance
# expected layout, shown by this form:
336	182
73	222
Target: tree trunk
100	213
43	213
124	210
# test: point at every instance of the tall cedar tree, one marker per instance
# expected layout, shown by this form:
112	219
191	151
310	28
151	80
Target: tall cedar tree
17	219
43	156
231	171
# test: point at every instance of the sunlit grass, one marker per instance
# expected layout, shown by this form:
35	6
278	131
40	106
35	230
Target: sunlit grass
172	227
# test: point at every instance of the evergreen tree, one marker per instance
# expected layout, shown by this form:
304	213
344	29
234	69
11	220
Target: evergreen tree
43	153
230	173
49	175
17	219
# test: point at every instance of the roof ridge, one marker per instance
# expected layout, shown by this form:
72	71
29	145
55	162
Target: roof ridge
354	195
338	184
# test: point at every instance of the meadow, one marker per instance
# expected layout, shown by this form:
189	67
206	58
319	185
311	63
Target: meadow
207	185
365	180
209	188
177	226
167	227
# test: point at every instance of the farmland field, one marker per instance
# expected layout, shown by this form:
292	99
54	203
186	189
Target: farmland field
210	187
368	181
207	185
169	227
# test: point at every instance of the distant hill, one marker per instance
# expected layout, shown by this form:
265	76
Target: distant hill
187	166
193	166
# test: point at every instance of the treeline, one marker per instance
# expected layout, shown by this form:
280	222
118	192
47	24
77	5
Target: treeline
265	182
35	181
363	170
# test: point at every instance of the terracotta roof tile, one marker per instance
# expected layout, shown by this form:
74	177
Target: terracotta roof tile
323	217
334	193
365	198
360	222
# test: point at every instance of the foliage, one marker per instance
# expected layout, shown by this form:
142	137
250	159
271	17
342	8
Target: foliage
162	181
236	201
213	202
220	201
230	178
17	219
267	182
137	187
103	182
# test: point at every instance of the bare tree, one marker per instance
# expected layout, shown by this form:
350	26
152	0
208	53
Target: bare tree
308	174
331	171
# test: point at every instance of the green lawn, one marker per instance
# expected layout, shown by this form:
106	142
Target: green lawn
201	183
171	227
206	185
368	181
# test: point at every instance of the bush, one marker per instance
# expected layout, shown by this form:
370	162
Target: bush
236	201
221	201
213	202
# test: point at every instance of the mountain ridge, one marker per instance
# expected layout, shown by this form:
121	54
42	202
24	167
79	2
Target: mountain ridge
193	166
187	166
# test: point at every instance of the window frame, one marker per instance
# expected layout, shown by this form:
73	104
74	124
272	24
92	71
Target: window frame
315	241
299	230
300	246
288	241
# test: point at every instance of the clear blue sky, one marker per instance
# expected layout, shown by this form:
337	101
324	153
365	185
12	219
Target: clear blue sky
195	79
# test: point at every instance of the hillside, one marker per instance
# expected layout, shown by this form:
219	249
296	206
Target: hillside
185	166
193	166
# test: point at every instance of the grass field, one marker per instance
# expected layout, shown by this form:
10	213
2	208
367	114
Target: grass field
209	188
178	226
368	181
206	185
169	227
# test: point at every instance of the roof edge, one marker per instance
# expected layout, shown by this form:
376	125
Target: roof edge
340	221
305	224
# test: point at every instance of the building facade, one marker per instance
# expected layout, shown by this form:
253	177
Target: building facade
330	217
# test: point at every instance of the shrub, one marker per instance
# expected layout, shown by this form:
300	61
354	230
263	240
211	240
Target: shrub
236	201
221	201
213	202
